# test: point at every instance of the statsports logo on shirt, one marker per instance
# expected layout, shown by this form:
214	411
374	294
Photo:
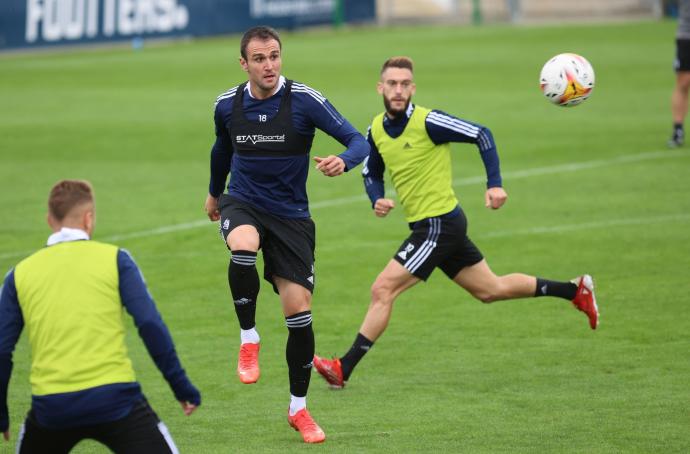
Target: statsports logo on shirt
258	138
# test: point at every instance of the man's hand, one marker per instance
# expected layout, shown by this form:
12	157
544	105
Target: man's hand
331	166
495	198
211	207
188	408
383	206
6	434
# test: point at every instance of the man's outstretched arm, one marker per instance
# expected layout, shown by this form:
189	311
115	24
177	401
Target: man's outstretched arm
324	116
140	305
444	128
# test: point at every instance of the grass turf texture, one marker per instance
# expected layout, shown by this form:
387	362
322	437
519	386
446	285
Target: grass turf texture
601	195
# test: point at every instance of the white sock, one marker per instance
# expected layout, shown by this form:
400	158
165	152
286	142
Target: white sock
249	336
297	403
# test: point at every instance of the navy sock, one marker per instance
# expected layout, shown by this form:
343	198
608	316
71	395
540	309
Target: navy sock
299	352
678	132
244	286
359	348
566	290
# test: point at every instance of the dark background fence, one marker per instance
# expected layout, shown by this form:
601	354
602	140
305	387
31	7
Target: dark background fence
40	23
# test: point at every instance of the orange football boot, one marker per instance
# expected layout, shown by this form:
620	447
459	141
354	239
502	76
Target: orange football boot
306	426
248	363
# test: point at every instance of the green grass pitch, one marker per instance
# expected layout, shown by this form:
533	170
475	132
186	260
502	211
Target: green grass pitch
591	189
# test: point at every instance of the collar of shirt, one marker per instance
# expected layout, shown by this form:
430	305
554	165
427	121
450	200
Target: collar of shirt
67	234
410	109
279	86
396	126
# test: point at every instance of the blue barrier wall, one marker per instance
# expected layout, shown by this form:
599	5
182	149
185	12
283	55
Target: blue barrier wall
40	23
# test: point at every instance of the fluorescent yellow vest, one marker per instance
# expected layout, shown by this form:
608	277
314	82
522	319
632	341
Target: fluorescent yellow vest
70	300
420	169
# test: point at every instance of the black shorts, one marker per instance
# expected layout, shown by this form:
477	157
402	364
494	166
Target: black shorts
682	61
438	242
287	244
140	432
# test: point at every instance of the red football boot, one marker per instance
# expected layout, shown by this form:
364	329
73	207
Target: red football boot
331	370
585	300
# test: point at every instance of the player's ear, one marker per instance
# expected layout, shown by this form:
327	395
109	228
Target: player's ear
379	87
243	64
89	220
413	88
52	222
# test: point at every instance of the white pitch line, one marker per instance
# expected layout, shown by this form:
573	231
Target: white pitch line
159	230
588	226
526	173
576	166
510	175
540	230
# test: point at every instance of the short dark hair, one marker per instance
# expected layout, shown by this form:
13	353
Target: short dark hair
262	32
68	194
397	62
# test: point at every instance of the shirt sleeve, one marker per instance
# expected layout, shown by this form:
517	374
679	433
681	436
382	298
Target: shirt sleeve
221	154
357	147
372	171
444	128
325	117
140	305
11	325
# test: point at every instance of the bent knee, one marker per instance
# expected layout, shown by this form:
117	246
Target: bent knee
381	293
243	245
243	238
240	243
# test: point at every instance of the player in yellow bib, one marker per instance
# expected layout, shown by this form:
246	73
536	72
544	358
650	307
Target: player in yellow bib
413	143
71	296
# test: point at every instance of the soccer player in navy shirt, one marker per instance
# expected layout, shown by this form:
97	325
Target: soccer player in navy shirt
264	132
70	296
413	143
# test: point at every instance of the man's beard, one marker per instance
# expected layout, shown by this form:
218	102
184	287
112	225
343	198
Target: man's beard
396	114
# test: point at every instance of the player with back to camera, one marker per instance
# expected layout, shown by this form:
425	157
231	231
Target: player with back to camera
264	133
70	296
413	143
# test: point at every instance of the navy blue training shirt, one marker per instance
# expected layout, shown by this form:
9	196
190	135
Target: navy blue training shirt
286	195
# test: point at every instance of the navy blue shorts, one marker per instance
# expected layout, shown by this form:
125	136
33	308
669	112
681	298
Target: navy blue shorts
682	61
287	243
438	242
140	432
